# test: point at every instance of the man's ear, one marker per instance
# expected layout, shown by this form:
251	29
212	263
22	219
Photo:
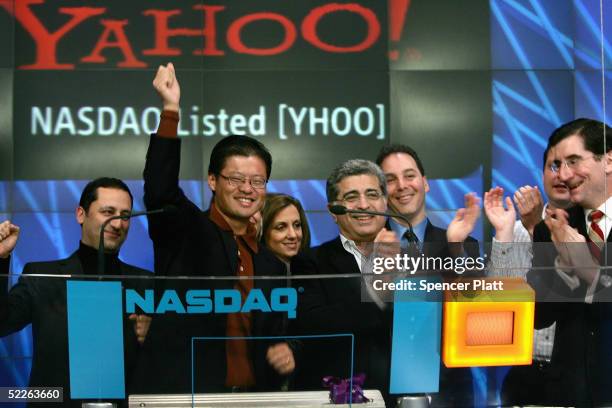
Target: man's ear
212	182
80	215
426	184
608	163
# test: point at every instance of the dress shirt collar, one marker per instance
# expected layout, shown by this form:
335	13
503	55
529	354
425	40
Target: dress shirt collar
250	238
351	247
606	221
418	229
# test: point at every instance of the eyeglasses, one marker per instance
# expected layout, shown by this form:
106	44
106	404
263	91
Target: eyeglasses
371	196
237	181
572	163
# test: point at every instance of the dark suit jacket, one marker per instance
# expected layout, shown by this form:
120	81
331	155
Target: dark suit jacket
456	387
41	302
582	354
336	306
188	243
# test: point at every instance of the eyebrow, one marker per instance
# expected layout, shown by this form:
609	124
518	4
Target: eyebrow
410	170
113	209
350	192
367	190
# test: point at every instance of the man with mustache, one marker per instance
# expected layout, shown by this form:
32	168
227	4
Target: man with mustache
573	289
331	306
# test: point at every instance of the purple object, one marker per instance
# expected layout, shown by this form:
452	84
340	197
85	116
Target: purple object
339	389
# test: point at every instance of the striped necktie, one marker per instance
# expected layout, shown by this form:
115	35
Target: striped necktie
596	235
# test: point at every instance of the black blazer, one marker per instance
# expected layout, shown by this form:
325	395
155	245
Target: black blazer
334	306
456	387
582	353
41	302
188	243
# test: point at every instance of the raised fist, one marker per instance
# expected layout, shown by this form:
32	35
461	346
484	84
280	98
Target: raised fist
9	233
167	86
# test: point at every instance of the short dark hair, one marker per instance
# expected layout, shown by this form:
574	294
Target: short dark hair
388	150
90	192
353	167
274	204
238	145
590	131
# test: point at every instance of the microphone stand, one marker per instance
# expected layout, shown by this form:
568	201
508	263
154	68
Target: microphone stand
405	401
101	261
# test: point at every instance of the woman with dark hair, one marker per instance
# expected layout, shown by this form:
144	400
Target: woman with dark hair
284	226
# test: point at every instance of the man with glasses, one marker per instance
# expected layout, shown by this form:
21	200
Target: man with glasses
512	254
332	306
218	242
572	286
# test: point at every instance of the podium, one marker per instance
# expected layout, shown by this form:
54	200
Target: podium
297	399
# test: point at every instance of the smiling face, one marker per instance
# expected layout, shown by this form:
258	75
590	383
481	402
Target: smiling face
360	192
557	192
284	236
406	186
587	178
110	202
238	203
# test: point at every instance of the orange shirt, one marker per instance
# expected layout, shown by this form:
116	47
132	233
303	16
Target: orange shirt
240	370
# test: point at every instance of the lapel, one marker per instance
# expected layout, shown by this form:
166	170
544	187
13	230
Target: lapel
230	248
340	259
70	266
576	220
231	252
434	240
433	233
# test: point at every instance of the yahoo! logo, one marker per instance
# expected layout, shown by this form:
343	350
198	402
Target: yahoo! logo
219	32
199	301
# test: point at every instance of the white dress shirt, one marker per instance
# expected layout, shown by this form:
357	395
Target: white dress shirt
351	247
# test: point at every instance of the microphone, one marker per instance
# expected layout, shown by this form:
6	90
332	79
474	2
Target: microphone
341	210
167	209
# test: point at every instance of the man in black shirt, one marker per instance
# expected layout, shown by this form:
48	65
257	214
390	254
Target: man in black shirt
41	301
